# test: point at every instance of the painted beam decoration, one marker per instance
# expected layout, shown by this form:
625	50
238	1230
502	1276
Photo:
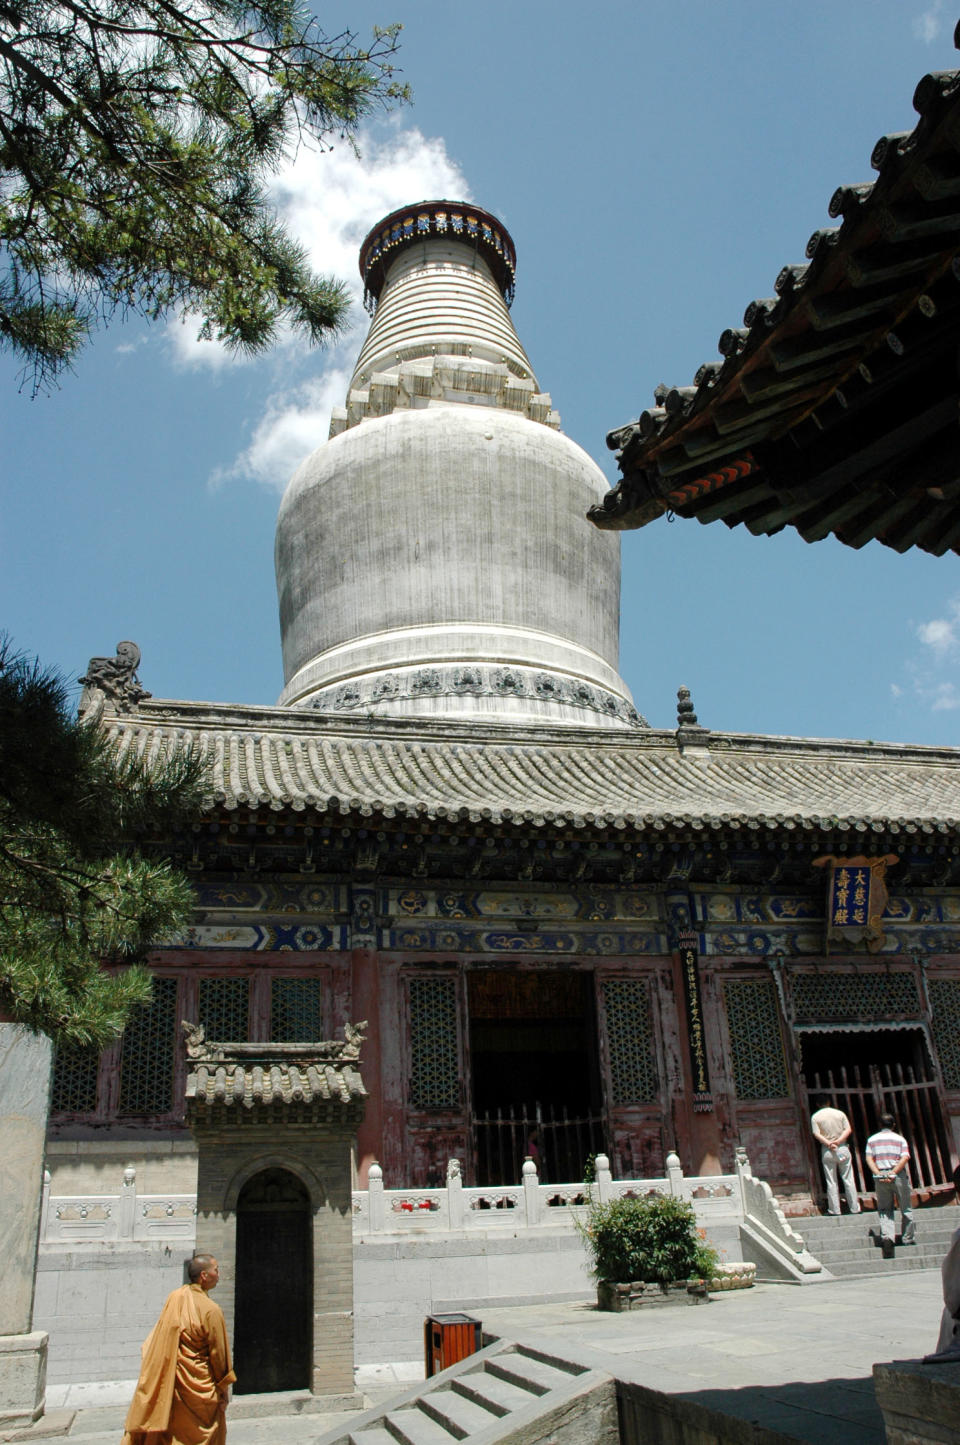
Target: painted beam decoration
689	953
856	897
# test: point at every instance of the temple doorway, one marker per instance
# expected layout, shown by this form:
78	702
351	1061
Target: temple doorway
869	1071
273	1332
535	1073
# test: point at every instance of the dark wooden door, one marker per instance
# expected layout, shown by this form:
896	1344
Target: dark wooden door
273	1335
878	1071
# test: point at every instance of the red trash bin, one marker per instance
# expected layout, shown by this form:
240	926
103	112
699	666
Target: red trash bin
447	1339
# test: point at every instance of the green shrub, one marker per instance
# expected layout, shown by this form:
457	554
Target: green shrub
654	1240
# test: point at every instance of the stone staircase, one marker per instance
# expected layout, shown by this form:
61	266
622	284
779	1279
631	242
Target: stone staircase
845	1247
504	1393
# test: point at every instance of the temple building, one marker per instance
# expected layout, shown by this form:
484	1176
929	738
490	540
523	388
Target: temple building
568	931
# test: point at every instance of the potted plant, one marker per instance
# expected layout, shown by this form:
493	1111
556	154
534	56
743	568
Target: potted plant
642	1249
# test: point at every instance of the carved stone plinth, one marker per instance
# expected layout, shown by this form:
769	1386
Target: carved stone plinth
23	1378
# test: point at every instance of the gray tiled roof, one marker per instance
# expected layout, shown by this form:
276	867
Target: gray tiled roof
273	758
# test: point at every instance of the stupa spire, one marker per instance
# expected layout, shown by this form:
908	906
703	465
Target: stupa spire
438	278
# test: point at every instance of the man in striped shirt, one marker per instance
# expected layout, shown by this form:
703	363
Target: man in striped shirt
888	1159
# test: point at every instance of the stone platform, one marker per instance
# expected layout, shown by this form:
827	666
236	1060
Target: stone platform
765	1366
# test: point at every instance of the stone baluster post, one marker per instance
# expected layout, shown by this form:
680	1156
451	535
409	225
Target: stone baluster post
675	1174
742	1166
378	1215
45	1206
127	1217
531	1192
454	1195
603	1179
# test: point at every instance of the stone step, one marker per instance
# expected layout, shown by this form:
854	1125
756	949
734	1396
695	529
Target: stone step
897	1265
411	1426
862	1259
457	1413
499	1396
936	1239
823	1229
531	1371
372	1435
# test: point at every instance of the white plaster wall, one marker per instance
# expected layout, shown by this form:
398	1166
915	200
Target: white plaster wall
99	1302
95	1166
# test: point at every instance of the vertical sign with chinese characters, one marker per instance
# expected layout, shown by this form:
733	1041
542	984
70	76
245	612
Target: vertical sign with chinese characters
856	897
849	897
690	970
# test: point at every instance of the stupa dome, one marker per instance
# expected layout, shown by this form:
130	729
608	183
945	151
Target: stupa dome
433	557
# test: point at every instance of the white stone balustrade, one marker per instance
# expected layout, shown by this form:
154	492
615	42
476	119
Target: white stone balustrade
115	1218
724	1202
377	1210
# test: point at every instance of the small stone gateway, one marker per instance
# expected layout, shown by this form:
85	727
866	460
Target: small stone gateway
275	1126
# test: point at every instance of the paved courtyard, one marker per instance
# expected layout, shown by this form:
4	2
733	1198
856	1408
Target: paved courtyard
796	1359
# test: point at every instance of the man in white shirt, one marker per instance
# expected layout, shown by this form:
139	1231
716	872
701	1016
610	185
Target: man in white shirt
888	1158
832	1129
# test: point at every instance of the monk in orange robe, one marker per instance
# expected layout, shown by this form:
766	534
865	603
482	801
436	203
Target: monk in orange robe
185	1374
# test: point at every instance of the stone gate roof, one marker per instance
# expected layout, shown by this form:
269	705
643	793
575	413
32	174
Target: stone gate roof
277	759
305	1080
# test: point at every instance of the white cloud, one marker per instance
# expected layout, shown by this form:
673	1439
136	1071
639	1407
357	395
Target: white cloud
944	697
942	634
126	348
189	351
926	27
294	424
932	673
329	200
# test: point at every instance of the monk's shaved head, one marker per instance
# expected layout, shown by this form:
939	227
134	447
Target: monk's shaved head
200	1264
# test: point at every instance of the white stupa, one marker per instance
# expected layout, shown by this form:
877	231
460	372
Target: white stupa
433	557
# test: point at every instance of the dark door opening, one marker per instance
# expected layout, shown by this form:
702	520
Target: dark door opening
871	1071
535	1073
273	1333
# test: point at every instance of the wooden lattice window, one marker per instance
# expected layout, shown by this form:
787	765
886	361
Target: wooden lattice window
860	996
633	1069
223	1007
296	1010
756	1042
945	1003
75	1081
147	1053
434	1055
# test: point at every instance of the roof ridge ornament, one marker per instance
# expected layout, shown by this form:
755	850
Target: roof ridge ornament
113	679
232	1053
691	737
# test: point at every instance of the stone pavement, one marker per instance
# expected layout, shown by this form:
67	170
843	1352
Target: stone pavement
794	1359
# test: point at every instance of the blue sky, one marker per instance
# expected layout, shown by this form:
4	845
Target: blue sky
656	165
